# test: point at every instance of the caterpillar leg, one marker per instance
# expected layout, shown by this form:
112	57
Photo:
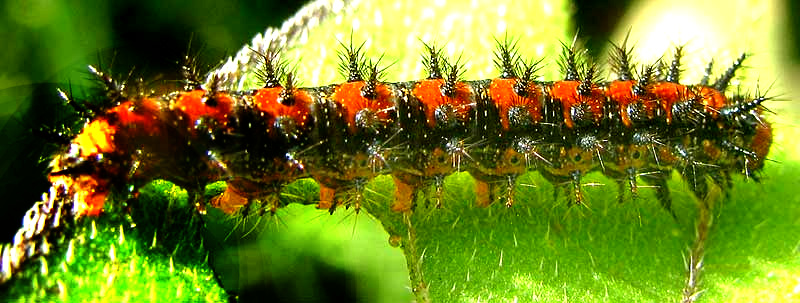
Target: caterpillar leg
511	184
229	201
438	191
326	197
404	195
577	192
484	193
634	187
330	198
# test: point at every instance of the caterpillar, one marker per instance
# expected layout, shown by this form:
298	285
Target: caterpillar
696	131
345	134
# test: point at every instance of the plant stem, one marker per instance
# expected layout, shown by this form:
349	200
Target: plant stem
691	290
414	261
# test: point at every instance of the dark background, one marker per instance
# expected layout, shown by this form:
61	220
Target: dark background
47	45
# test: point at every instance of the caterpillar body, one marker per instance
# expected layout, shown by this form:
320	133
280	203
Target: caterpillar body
343	135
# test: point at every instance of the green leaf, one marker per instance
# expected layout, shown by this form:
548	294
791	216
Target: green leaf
108	258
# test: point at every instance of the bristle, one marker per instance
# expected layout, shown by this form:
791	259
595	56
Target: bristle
738	149
568	63
645	78
738	109
453	75
506	58
192	76
115	90
620	60
373	78
286	96
674	73
432	60
585	88
743	152
84	109
272	68
688	111
212	88
722	82
707	73
352	61
527	74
